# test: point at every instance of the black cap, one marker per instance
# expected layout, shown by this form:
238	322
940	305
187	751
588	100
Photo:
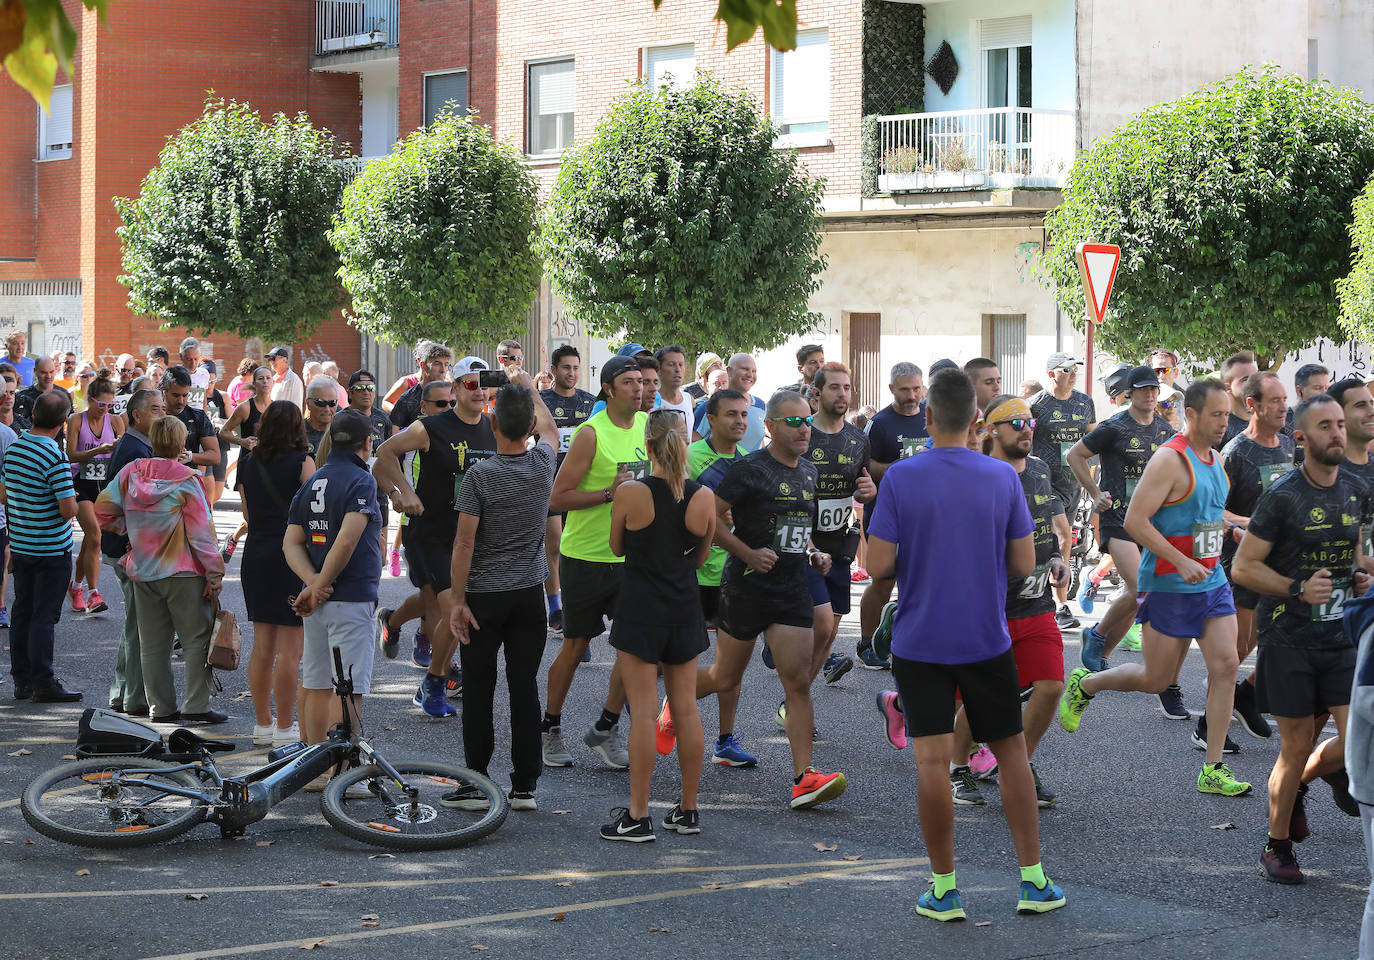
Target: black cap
617	365
360	376
278	352
1142	377
349	428
1115	379
939	365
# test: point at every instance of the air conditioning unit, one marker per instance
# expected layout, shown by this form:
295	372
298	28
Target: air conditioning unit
356	41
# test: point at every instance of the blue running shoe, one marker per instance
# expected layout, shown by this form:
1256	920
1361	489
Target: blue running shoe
420	653
882	637
1091	648
4	617
767	655
870	659
729	753
948	907
1087	594
430	698
836	666
1035	900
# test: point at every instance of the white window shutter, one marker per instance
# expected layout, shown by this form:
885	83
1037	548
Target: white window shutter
801	78
57	137
675	65
1005	32
553	88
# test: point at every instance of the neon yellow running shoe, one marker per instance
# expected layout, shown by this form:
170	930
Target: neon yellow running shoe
1131	641
1217	778
1075	700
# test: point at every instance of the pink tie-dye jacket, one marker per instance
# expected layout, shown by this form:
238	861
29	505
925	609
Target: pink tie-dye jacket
160	506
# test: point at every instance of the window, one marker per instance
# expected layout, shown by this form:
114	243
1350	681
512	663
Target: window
801	85
445	90
1004	340
549	120
55	126
675	66
1006	46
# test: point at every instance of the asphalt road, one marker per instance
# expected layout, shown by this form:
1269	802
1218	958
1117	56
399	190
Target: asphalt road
1136	848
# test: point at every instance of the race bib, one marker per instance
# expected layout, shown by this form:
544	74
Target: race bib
96	468
1334	608
639	469
1033	587
912	446
1271	472
791	533
834	515
1131	483
1207	539
565	435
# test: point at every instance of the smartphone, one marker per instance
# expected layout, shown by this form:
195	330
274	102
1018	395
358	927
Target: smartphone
487	379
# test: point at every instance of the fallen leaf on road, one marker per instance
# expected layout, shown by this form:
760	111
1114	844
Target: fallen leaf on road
68	756
369	916
1223	826
659	930
329	883
382	856
983	923
371	923
480	946
266	843
312	945
561	812
29	842
197	896
563	883
556	917
388	728
83	873
794	883
240	697
852	856
712	885
22	752
824	847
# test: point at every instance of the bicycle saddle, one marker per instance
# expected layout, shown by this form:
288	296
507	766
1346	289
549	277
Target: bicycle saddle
187	741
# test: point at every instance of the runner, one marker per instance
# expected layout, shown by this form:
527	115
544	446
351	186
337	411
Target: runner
241	430
1036	643
570	407
1303	554
446	444
952	523
362	397
404	383
895	432
1123	444
1177	516
672	368
771	496
1253	459
648	374
707	364
1063	416
986	379
321	400
1165	365
810	358
606	451
91	437
740	372
510	356
708	461
661	524
1236	371
1309	380
434	360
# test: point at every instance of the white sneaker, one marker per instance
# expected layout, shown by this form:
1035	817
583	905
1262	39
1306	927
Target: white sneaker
522	800
291	734
263	734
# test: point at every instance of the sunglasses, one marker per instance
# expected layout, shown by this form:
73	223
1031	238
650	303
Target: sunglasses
1165	404
1019	423
471	384
102	404
324	403
87	376
128	370
794	421
442	404
364	386
512	358
1164	369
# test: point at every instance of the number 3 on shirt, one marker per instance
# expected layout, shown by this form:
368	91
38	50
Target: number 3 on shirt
317	501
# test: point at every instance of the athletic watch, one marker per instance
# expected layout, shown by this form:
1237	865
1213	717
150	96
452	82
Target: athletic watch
1295	589
607	495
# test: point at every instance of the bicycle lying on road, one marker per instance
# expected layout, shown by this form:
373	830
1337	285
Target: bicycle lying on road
135	790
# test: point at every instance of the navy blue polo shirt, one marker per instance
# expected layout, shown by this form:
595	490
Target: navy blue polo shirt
342	486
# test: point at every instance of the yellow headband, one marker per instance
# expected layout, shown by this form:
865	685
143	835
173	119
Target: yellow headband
1008	410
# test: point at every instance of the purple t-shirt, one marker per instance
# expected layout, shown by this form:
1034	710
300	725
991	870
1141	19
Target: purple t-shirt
951	512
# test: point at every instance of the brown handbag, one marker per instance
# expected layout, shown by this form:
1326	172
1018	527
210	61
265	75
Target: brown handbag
225	643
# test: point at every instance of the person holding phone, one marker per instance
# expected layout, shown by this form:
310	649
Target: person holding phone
570	407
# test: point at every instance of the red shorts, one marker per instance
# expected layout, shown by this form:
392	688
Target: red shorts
1038	648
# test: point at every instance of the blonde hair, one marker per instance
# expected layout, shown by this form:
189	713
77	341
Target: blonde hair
167	437
666	436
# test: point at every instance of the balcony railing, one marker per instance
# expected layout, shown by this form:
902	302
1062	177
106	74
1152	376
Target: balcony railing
344	25
973	149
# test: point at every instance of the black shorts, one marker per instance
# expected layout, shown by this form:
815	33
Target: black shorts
833	588
672	644
710	601
87	490
428	561
1299	682
745	612
989	688
590	590
1114	533
218	470
1069	491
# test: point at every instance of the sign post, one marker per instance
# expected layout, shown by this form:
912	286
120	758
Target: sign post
1097	263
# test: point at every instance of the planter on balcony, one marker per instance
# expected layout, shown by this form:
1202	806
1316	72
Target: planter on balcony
357	41
940	180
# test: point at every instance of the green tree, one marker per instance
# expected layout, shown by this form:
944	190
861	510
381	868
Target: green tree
1356	291
228	232
678	221
1231	207
435	241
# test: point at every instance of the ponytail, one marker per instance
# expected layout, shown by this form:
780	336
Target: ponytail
666	436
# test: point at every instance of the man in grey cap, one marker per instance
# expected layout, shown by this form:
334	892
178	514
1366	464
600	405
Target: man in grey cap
1063	416
286	385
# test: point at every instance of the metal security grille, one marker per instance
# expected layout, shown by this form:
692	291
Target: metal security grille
865	370
1007	345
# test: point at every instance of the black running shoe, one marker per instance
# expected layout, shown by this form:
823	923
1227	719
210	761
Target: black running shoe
682	821
836	666
1064	619
1248	713
1199	737
389	640
1171	702
453	683
1340	792
556	620
1298	829
1280	865
626	827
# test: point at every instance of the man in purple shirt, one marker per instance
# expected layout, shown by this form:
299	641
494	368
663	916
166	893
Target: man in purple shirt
953	523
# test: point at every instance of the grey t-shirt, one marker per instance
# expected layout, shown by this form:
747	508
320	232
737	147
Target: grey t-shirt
509	495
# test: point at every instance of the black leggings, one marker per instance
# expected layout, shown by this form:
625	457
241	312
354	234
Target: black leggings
515	619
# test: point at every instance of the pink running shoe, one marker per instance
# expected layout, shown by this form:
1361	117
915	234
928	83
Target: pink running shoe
894	720
983	764
95	603
77	596
395	563
860	575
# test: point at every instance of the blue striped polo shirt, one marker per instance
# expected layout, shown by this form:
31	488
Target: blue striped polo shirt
36	475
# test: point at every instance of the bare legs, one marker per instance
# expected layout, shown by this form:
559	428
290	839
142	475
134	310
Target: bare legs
273	672
641	686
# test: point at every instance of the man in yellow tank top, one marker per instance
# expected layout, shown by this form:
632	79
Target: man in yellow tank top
606	451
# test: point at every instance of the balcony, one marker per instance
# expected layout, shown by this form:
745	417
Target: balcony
351	26
959	150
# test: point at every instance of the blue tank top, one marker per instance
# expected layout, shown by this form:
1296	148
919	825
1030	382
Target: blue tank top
1194	524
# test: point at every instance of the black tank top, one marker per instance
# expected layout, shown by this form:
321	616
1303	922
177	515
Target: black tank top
660	561
249	427
454	446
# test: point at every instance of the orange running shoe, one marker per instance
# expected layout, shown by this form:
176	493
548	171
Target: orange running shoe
666	733
816	787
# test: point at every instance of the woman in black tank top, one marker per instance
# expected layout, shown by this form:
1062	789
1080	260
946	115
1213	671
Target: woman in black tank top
662	526
241	430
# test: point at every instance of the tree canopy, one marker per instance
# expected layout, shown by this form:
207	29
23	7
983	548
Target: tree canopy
435	240
678	221
228	232
1231	207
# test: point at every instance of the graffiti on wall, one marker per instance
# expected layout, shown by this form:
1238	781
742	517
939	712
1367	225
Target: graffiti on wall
1349	359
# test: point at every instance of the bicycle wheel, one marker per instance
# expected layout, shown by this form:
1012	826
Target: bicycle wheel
366	805
77	803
